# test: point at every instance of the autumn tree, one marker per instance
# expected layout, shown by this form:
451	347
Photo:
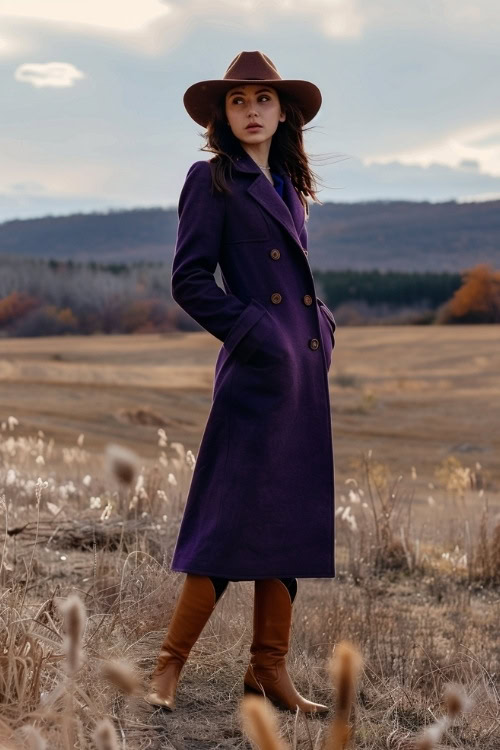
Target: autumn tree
16	305
477	300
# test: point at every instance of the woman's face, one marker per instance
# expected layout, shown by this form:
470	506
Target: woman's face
256	103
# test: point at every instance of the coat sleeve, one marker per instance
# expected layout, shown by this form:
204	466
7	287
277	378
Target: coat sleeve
201	214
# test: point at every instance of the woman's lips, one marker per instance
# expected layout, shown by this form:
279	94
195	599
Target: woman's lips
254	127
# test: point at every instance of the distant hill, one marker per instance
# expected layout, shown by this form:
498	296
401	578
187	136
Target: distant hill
397	235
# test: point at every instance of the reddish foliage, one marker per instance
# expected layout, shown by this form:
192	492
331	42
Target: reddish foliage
478	299
15	305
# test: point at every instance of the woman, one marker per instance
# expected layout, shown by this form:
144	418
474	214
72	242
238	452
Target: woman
261	501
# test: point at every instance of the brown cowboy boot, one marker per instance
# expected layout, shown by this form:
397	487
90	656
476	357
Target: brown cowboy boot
267	673
194	607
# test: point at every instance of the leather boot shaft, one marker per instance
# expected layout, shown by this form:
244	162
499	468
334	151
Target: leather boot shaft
193	609
267	673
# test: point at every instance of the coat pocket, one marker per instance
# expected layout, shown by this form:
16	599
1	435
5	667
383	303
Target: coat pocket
328	314
237	338
256	333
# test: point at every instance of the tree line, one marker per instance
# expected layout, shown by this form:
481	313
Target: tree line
52	297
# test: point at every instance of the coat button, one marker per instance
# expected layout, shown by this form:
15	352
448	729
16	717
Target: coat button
304	251
307	299
276	298
275	253
314	343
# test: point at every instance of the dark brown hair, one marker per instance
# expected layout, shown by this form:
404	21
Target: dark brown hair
287	149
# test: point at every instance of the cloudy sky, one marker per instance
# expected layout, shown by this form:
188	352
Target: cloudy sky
91	112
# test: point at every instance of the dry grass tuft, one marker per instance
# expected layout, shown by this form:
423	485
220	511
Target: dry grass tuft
122	676
105	736
123	463
260	722
423	624
456	703
75	617
495	552
261	719
344	667
456	700
33	738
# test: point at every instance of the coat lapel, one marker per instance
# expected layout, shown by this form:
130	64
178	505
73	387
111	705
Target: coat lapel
288	211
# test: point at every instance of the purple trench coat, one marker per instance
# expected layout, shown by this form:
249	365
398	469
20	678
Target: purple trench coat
261	499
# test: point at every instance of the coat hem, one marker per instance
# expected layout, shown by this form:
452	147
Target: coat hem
230	576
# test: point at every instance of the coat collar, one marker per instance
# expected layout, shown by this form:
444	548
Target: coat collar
288	211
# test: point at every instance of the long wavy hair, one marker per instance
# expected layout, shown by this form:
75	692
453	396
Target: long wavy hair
287	149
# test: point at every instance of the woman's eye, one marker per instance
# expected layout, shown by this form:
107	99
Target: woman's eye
238	98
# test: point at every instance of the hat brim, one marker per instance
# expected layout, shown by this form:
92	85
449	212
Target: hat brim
199	99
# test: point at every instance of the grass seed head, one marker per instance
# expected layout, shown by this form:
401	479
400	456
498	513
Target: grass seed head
344	667
122	676
33	737
105	736
260	723
123	463
455	699
75	618
428	738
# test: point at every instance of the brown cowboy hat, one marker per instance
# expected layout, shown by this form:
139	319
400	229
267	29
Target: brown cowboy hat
249	67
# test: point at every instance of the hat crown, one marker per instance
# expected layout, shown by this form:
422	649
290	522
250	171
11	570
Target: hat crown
201	98
252	66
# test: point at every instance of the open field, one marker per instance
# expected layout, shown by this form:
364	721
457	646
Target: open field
420	599
413	394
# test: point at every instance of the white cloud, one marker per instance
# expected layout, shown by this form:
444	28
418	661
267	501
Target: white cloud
54	74
402	83
479	197
334	18
119	15
34	187
14	44
344	20
153	26
31	168
459	149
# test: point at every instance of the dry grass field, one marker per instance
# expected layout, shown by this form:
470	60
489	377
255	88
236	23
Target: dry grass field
416	425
